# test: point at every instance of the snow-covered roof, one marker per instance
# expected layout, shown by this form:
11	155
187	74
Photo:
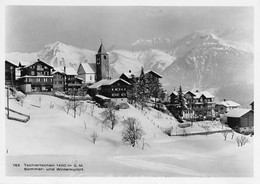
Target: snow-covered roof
207	94
37	62
104	82
238	112
128	74
70	71
175	93
228	103
79	78
198	94
57	71
158	75
87	67
11	63
102	97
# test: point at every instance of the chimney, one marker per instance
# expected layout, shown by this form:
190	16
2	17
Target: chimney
38	59
197	91
224	99
129	71
65	69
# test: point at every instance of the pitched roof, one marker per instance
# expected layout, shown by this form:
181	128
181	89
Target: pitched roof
105	82
155	73
198	94
87	68
228	103
175	93
238	112
37	62
70	71
10	63
207	94
128	74
101	49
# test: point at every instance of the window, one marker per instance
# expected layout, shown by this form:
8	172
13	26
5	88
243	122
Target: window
60	82
90	77
54	82
105	57
32	73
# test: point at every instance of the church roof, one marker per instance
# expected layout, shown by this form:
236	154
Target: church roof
101	49
87	68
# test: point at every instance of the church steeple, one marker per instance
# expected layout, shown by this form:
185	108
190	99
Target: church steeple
102	63
101	49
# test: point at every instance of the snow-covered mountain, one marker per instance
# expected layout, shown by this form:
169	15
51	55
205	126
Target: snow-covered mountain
56	54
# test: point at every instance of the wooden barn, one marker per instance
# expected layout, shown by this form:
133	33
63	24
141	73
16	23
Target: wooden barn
241	120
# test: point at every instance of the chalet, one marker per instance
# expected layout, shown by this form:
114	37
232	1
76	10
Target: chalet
174	97
225	106
87	72
72	81
116	89
10	73
58	81
36	77
241	120
152	75
200	102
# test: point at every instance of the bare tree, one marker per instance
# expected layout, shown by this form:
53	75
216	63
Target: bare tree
92	109
132	131
94	136
243	140
68	105
238	141
207	129
233	133
225	134
109	115
145	144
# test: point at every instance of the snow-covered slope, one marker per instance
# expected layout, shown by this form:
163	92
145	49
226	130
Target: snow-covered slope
53	136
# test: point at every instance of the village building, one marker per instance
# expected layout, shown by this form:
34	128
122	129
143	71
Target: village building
72	81
36	77
241	120
58	81
87	72
202	103
174	97
152	76
10	73
115	89
225	106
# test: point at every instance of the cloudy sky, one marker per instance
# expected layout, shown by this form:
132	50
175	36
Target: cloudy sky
29	28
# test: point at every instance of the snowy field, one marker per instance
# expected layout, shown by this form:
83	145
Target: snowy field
53	136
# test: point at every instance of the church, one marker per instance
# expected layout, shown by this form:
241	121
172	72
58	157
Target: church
105	87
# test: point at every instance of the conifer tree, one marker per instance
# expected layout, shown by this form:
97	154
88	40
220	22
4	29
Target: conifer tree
181	101
142	90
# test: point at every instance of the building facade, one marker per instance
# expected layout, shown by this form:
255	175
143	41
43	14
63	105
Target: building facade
242	120
36	77
10	73
225	106
87	72
115	89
